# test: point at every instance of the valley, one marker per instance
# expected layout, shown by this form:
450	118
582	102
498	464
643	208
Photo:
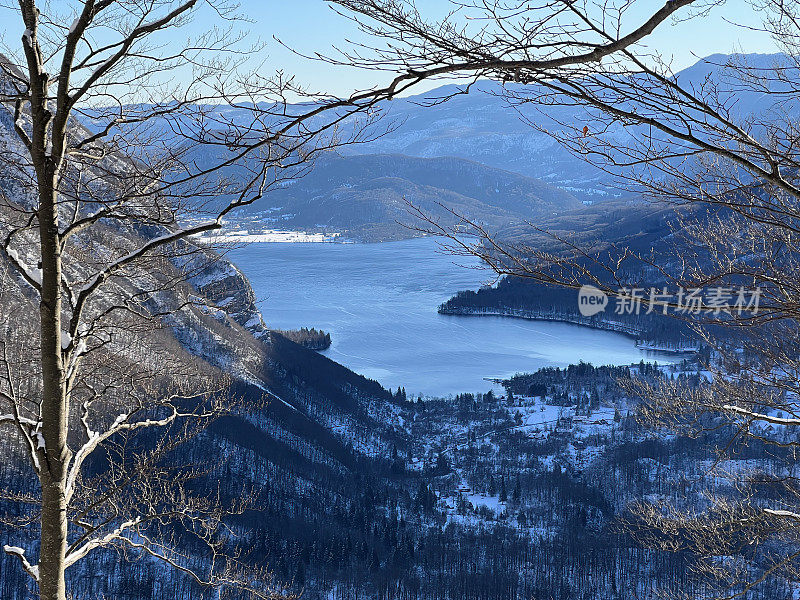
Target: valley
237	364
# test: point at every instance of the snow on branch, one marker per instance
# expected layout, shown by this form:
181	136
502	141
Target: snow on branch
761	416
19	421
30	430
32	570
33	276
783	513
100	542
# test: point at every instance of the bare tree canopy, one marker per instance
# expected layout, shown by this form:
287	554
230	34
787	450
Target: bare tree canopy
727	169
509	41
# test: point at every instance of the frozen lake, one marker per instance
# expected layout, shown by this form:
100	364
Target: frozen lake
379	301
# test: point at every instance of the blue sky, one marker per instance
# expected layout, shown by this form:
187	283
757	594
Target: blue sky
311	26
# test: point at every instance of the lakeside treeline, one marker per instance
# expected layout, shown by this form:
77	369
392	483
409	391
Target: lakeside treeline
523	298
313	339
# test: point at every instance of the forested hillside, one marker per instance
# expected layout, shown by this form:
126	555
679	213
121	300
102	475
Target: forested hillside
367	197
479	496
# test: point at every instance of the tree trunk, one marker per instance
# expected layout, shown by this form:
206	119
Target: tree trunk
52	450
53	541
54	456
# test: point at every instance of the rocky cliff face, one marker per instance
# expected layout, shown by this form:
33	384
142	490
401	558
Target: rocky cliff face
223	284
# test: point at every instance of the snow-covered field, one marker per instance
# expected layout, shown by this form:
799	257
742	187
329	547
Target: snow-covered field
268	236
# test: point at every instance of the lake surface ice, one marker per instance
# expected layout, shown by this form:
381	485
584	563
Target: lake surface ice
379	302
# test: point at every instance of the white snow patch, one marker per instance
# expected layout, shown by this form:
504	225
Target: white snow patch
34	274
268	236
273	394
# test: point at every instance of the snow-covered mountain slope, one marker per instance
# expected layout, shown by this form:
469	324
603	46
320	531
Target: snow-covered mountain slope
367	197
362	194
483	127
304	420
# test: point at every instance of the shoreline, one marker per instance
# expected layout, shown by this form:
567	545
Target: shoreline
274	236
631	331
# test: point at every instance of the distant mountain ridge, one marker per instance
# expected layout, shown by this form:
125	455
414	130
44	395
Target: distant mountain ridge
483	127
475	153
367	197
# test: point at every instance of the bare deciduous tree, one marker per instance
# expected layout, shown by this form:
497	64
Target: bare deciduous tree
120	151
